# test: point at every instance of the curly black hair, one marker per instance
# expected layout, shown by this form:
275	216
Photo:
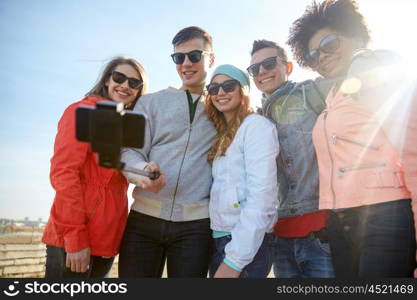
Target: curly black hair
340	15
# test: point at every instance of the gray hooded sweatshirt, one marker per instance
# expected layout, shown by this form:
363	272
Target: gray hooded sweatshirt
180	147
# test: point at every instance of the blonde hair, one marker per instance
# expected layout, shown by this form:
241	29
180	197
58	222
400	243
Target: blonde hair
226	132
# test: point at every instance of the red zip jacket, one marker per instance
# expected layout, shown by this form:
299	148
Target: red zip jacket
90	205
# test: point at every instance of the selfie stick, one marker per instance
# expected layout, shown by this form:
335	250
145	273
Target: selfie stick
151	175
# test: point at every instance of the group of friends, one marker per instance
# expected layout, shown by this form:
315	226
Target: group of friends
315	184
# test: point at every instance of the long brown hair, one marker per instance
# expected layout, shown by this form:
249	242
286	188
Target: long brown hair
100	89
226	132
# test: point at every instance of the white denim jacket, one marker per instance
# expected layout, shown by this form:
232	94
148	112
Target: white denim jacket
243	198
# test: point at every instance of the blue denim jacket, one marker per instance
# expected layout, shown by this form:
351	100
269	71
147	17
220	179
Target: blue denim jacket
294	108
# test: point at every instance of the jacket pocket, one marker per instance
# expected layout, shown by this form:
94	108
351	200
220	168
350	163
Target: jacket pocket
336	138
231	201
224	205
386	179
343	171
230	206
94	195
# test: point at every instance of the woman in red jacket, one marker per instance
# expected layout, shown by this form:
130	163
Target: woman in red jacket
89	212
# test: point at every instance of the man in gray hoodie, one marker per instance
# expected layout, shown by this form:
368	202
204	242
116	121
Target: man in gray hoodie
169	219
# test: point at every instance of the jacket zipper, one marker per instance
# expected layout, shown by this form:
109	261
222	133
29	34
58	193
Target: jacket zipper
360	167
179	173
325	112
335	138
182	163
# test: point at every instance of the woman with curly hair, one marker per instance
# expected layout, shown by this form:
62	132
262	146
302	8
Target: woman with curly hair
371	227
244	191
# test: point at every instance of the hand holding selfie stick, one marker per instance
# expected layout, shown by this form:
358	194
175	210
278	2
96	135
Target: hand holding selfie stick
151	175
108	128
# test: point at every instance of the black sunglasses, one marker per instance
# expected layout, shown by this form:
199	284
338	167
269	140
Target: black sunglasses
194	56
329	44
119	78
268	64
228	86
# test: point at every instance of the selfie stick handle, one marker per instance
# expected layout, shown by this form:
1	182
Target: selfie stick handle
151	175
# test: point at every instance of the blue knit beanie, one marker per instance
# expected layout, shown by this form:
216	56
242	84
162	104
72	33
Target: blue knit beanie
234	73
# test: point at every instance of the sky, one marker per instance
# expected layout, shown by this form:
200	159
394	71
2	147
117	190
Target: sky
52	52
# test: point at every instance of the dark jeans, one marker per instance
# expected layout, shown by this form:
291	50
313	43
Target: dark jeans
147	242
258	268
55	265
307	257
373	241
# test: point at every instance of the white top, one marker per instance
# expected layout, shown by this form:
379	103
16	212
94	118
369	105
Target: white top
244	194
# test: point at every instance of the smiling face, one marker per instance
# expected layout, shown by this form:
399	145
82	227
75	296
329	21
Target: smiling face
193	75
227	103
122	92
337	62
267	81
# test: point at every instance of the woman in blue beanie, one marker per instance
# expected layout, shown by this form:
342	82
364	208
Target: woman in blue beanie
244	191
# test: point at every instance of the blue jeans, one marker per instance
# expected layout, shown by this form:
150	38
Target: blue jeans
307	257
258	268
55	265
148	241
373	241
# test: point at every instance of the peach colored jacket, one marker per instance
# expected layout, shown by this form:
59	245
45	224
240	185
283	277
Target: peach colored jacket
409	158
357	163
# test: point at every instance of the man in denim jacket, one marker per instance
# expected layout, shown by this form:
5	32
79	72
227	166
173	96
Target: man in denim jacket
301	247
